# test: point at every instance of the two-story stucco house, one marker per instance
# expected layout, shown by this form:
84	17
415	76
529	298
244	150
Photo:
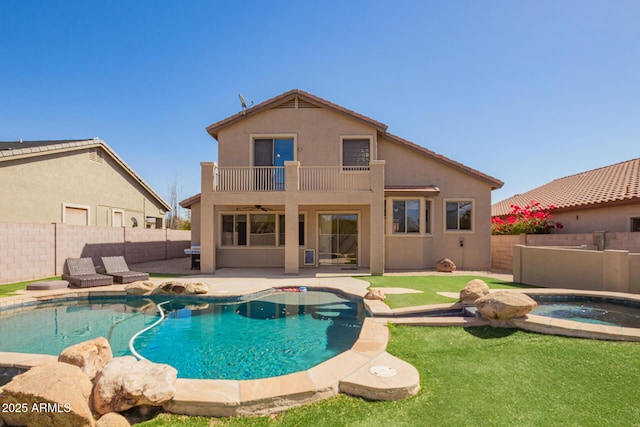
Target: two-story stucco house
301	181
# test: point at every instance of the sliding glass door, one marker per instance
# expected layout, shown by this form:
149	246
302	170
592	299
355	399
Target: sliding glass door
338	239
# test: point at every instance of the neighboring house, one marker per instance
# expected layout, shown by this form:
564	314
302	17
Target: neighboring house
81	182
304	182
604	199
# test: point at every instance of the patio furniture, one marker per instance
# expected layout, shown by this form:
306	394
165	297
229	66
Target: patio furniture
82	274
47	285
117	267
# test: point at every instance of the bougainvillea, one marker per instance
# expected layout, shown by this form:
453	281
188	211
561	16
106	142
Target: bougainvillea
530	219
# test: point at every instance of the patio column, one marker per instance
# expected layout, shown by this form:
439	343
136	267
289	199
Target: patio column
291	211
376	261
207	219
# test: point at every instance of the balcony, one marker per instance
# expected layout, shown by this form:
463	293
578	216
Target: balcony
309	178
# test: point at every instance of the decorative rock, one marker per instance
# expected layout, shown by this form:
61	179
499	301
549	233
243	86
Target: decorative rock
375	294
504	305
473	290
197	288
445	265
170	288
140	288
112	419
126	382
90	356
55	394
188	288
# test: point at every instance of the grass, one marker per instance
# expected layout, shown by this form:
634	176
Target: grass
483	377
11	288
430	285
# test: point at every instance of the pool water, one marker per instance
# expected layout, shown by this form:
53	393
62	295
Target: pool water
270	335
590	310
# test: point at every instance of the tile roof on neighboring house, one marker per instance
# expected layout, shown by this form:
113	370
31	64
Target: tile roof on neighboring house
20	149
614	184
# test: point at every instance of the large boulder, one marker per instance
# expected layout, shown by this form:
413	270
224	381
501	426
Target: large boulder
473	290
501	306
126	382
187	288
90	356
113	419
445	265
53	394
140	288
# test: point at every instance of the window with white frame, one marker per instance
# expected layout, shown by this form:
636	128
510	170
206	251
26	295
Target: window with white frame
356	153
75	214
635	224
459	215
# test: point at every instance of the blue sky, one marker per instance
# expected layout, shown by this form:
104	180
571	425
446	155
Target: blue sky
525	91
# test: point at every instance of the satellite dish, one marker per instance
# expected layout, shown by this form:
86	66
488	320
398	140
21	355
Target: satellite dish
243	103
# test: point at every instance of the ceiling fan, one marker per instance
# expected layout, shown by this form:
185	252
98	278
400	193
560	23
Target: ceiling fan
254	207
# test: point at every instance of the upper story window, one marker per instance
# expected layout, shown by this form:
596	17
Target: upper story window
635	224
459	215
356	152
272	151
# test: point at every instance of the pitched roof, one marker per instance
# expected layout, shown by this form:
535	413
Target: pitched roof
298	95
614	184
294	94
10	150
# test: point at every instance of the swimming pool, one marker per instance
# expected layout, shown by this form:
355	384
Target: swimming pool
585	309
257	336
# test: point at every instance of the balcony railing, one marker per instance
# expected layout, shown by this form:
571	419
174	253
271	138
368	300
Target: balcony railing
337	178
311	178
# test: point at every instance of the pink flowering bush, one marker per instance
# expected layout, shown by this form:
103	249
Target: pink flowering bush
530	219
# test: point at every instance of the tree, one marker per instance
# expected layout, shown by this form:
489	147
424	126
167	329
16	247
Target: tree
174	217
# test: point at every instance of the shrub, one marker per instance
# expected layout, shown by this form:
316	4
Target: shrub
530	219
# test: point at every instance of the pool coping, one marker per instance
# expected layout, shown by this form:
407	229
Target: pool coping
349	372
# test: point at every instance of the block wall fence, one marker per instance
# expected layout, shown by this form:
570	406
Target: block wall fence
35	251
502	245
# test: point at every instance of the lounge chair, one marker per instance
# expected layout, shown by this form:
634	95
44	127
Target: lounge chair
82	274
117	267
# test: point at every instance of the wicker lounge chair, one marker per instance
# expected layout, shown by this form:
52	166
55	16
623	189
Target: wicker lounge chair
82	274
117	267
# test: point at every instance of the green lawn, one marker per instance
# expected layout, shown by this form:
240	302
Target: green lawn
484	377
430	285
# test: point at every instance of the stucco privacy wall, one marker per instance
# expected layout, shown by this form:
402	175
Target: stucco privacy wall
34	251
502	246
608	270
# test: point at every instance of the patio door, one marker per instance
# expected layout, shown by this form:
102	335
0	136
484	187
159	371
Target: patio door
272	152
338	239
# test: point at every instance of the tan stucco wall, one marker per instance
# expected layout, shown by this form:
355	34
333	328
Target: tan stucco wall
612	218
609	270
35	188
317	134
404	166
